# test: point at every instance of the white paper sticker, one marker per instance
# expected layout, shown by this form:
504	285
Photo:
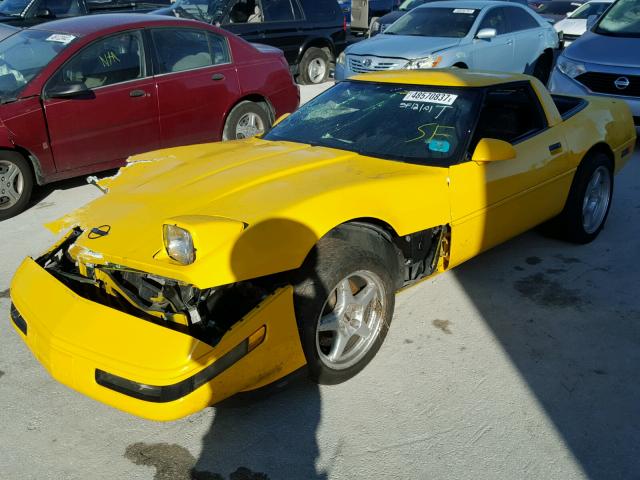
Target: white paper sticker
431	97
468	11
60	38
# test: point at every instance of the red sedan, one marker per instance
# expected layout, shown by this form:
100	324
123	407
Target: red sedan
80	95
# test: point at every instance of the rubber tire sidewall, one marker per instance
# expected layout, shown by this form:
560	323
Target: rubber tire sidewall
303	68
568	225
231	124
27	177
331	261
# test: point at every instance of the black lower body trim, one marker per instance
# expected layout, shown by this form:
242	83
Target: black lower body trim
18	319
169	393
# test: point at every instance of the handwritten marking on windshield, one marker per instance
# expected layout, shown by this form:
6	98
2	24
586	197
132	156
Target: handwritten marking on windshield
436	131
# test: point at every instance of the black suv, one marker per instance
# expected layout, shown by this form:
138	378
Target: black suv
312	33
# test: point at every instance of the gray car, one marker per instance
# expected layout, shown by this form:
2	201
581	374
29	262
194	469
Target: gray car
605	60
487	35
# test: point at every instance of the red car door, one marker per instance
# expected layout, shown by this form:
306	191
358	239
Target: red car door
113	111
197	84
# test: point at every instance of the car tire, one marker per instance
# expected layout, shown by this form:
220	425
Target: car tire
314	66
371	22
246	120
542	68
588	203
344	266
16	184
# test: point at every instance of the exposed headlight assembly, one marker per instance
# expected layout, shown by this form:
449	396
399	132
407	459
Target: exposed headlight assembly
179	244
431	61
341	58
569	67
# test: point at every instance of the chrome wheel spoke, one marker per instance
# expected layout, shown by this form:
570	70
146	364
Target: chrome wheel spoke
363	331
11	184
596	199
346	331
339	344
12	173
330	322
365	296
344	295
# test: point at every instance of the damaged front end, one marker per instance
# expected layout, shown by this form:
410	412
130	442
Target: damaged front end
152	346
205	314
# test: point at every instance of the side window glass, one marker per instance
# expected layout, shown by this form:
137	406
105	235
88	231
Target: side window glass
495	19
219	49
62	8
247	11
277	10
510	113
520	19
115	59
180	49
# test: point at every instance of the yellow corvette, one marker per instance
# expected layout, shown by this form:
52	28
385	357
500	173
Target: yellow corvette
213	269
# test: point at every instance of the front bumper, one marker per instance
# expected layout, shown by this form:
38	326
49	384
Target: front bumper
560	83
76	339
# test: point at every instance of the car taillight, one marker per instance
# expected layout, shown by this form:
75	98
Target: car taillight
344	23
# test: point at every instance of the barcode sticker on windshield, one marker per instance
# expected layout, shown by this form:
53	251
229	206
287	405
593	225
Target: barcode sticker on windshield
60	38
431	97
468	11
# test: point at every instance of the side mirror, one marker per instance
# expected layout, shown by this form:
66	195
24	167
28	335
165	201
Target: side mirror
68	90
45	13
280	118
591	21
493	150
486	33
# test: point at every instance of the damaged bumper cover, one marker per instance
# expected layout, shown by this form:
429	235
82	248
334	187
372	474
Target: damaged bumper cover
142	367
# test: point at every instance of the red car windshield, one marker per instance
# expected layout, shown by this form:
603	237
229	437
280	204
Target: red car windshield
24	55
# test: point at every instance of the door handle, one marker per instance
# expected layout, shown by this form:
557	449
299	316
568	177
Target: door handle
137	93
509	42
217	77
555	148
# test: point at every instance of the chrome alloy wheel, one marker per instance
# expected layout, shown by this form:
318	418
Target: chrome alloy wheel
596	199
11	184
249	125
351	320
317	70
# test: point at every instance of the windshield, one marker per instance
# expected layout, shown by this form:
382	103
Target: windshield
410	4
557	8
435	22
205	10
419	124
13	8
24	55
588	9
623	19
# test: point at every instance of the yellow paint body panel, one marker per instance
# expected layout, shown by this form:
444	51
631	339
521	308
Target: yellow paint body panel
72	337
288	194
257	207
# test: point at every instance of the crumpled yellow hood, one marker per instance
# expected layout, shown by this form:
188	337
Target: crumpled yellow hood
253	182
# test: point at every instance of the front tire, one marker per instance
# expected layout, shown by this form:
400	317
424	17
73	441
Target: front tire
246	120
344	303
314	66
16	184
587	207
